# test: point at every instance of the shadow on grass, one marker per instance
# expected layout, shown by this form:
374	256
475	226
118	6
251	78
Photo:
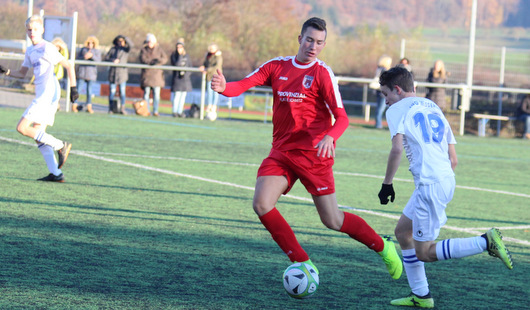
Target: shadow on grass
100	261
109	266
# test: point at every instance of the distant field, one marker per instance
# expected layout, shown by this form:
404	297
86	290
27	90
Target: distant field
156	214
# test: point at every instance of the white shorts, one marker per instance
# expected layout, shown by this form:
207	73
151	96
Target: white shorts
426	208
43	108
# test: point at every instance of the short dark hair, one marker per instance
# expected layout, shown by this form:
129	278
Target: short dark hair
397	76
314	22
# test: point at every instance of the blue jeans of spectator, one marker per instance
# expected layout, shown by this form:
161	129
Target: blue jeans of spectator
526	119
213	96
89	84
112	92
380	109
156	97
177	101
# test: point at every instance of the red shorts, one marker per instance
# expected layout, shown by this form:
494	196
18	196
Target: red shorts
315	173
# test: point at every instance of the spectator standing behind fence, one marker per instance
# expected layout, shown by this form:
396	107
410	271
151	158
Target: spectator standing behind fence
405	63
88	74
59	69
153	55
212	62
437	75
42	57
118	76
384	63
180	81
523	114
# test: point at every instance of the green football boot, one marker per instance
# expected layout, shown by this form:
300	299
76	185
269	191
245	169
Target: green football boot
310	264
414	301
391	258
496	247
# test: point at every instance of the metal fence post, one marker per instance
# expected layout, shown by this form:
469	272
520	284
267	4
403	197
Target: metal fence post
464	106
501	84
366	107
203	94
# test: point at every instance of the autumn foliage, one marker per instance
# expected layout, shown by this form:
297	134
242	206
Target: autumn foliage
250	32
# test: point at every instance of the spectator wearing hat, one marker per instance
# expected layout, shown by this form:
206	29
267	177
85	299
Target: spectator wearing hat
180	81
153	55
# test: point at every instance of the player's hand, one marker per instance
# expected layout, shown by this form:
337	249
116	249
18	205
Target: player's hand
386	190
3	70
218	82
73	94
326	147
153	62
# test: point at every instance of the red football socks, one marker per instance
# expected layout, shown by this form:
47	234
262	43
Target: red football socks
283	235
358	229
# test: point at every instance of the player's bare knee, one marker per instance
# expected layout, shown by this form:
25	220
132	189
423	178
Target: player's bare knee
331	223
402	236
260	208
424	256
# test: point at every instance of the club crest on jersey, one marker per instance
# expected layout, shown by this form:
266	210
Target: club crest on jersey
308	81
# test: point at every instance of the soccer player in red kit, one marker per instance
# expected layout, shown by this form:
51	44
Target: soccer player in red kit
306	96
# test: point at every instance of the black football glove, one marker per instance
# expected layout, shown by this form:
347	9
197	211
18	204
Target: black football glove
153	62
73	94
386	190
3	69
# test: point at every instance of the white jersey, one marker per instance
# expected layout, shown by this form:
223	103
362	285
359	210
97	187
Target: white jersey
42	58
426	136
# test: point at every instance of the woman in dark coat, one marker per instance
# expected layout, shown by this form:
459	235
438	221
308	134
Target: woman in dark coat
180	81
118	54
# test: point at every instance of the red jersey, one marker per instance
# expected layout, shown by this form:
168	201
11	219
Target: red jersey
305	97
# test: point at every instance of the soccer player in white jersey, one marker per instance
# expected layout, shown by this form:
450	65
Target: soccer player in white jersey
42	56
419	126
306	96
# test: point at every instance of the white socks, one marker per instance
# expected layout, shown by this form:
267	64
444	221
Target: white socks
415	270
445	249
49	157
48	139
461	247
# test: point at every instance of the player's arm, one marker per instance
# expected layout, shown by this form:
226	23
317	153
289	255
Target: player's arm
21	73
452	156
234	89
218	82
329	91
394	158
70	70
326	146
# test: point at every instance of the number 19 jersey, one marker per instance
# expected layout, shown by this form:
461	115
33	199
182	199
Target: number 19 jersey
426	138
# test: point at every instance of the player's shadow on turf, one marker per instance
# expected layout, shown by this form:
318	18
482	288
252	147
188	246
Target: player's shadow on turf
202	194
143	189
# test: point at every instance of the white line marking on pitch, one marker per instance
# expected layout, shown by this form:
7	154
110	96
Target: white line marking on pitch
474	231
335	172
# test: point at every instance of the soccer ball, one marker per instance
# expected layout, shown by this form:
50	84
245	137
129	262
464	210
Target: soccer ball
211	115
300	280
